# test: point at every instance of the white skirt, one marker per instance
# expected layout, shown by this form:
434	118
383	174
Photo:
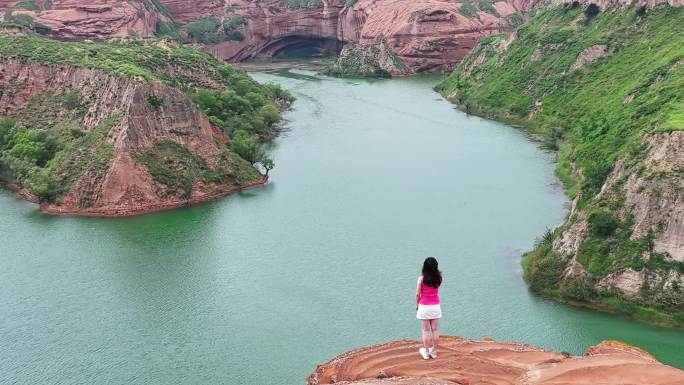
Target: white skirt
429	312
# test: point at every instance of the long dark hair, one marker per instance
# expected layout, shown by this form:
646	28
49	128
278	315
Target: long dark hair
431	275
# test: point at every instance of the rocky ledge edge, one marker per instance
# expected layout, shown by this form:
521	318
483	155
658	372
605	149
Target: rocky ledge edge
464	361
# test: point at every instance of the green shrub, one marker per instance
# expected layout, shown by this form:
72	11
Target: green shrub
541	270
235	36
174	166
211	31
602	224
591	10
27	4
198	30
303	3
467	9
246	107
578	289
233	22
247	146
155	101
167	29
71	100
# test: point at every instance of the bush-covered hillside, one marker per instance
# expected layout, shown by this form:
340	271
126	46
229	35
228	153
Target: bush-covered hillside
605	88
44	145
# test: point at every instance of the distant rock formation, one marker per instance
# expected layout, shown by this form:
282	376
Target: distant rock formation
463	361
115	129
427	35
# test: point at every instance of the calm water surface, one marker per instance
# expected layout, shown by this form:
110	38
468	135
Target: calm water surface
371	177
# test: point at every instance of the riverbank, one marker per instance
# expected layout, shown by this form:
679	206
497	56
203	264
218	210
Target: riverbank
208	195
464	361
620	249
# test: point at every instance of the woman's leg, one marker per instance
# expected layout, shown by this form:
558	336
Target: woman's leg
434	326
425	325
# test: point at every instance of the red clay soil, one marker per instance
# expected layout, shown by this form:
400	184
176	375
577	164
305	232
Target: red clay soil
463	361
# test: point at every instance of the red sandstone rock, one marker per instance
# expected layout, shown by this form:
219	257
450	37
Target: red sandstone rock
427	34
463	361
92	19
127	187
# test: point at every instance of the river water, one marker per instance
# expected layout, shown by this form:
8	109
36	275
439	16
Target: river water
371	177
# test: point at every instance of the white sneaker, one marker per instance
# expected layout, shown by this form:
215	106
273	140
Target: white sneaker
424	353
433	353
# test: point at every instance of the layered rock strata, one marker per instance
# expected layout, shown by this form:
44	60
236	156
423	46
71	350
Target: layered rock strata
110	178
427	35
463	361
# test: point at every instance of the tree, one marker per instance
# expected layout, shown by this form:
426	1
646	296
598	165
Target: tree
7	131
270	114
247	146
267	163
33	146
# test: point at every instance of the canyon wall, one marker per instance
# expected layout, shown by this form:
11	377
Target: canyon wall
613	111
427	35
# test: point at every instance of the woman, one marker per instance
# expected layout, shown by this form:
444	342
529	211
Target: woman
428	310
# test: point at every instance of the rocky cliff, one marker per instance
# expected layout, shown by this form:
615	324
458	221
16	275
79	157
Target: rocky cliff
427	35
463	361
111	129
79	20
580	76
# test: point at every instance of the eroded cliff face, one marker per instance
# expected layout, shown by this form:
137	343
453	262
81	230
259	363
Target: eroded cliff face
463	361
427	35
79	20
107	176
648	192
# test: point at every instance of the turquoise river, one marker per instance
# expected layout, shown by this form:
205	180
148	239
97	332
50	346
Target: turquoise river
371	177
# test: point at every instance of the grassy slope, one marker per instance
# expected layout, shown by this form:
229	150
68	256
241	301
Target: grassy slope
46	165
149	59
593	116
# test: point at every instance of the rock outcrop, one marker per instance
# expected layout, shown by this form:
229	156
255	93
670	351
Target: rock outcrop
115	129
80	20
463	361
373	59
427	35
122	185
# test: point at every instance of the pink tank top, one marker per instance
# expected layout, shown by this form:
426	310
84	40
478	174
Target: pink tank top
428	295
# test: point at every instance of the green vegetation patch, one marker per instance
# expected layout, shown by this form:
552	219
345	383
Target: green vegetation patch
471	7
247	106
600	109
149	59
179	170
28	5
296	4
209	30
594	112
48	161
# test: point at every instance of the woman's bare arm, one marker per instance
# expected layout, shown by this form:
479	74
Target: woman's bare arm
420	280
